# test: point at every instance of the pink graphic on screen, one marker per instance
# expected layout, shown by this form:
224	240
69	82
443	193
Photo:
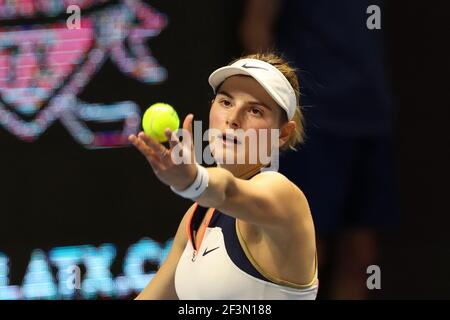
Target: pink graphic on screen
43	67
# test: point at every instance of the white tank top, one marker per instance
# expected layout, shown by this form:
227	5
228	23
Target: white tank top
222	269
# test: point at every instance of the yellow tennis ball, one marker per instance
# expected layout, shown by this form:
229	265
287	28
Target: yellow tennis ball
158	118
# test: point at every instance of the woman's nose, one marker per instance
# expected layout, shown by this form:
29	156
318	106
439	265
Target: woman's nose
233	119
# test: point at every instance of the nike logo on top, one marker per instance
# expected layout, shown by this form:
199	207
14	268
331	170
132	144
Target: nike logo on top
208	251
252	67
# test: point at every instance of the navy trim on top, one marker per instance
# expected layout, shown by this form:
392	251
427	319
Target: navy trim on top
232	244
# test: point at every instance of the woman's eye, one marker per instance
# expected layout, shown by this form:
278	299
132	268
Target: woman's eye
225	103
256	111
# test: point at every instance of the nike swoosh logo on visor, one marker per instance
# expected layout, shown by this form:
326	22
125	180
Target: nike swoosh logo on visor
252	67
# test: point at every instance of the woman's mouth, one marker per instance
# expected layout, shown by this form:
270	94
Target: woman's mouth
230	139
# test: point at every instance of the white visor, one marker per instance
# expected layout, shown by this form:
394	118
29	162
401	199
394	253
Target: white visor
268	76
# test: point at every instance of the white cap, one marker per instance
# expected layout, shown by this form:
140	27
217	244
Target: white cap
268	76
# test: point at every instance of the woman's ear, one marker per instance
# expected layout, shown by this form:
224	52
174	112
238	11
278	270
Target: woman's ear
286	131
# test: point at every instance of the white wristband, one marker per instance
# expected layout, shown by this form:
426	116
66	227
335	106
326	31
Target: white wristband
199	185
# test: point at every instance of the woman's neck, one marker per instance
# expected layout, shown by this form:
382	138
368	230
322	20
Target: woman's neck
242	171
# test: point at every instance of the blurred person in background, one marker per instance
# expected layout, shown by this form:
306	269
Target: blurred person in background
346	167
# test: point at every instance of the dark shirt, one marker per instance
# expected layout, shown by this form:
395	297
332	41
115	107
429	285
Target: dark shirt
341	64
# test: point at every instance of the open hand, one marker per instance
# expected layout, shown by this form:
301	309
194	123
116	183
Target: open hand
165	161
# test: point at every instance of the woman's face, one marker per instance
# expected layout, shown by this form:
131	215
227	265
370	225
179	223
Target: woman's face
245	111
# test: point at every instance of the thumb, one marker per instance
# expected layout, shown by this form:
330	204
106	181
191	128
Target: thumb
187	124
187	127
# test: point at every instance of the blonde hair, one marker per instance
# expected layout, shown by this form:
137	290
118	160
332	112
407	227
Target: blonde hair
290	73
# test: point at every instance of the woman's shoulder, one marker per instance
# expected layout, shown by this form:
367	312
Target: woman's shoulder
188	214
286	191
280	180
272	173
182	234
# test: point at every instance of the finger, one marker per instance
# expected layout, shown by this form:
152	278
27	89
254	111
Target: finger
140	145
157	147
143	147
153	158
172	138
187	124
131	138
155	162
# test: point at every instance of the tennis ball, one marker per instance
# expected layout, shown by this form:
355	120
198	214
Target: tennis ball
157	118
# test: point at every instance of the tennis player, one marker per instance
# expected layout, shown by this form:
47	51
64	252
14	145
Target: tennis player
249	233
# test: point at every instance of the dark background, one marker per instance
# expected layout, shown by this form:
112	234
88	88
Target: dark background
56	193
416	259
